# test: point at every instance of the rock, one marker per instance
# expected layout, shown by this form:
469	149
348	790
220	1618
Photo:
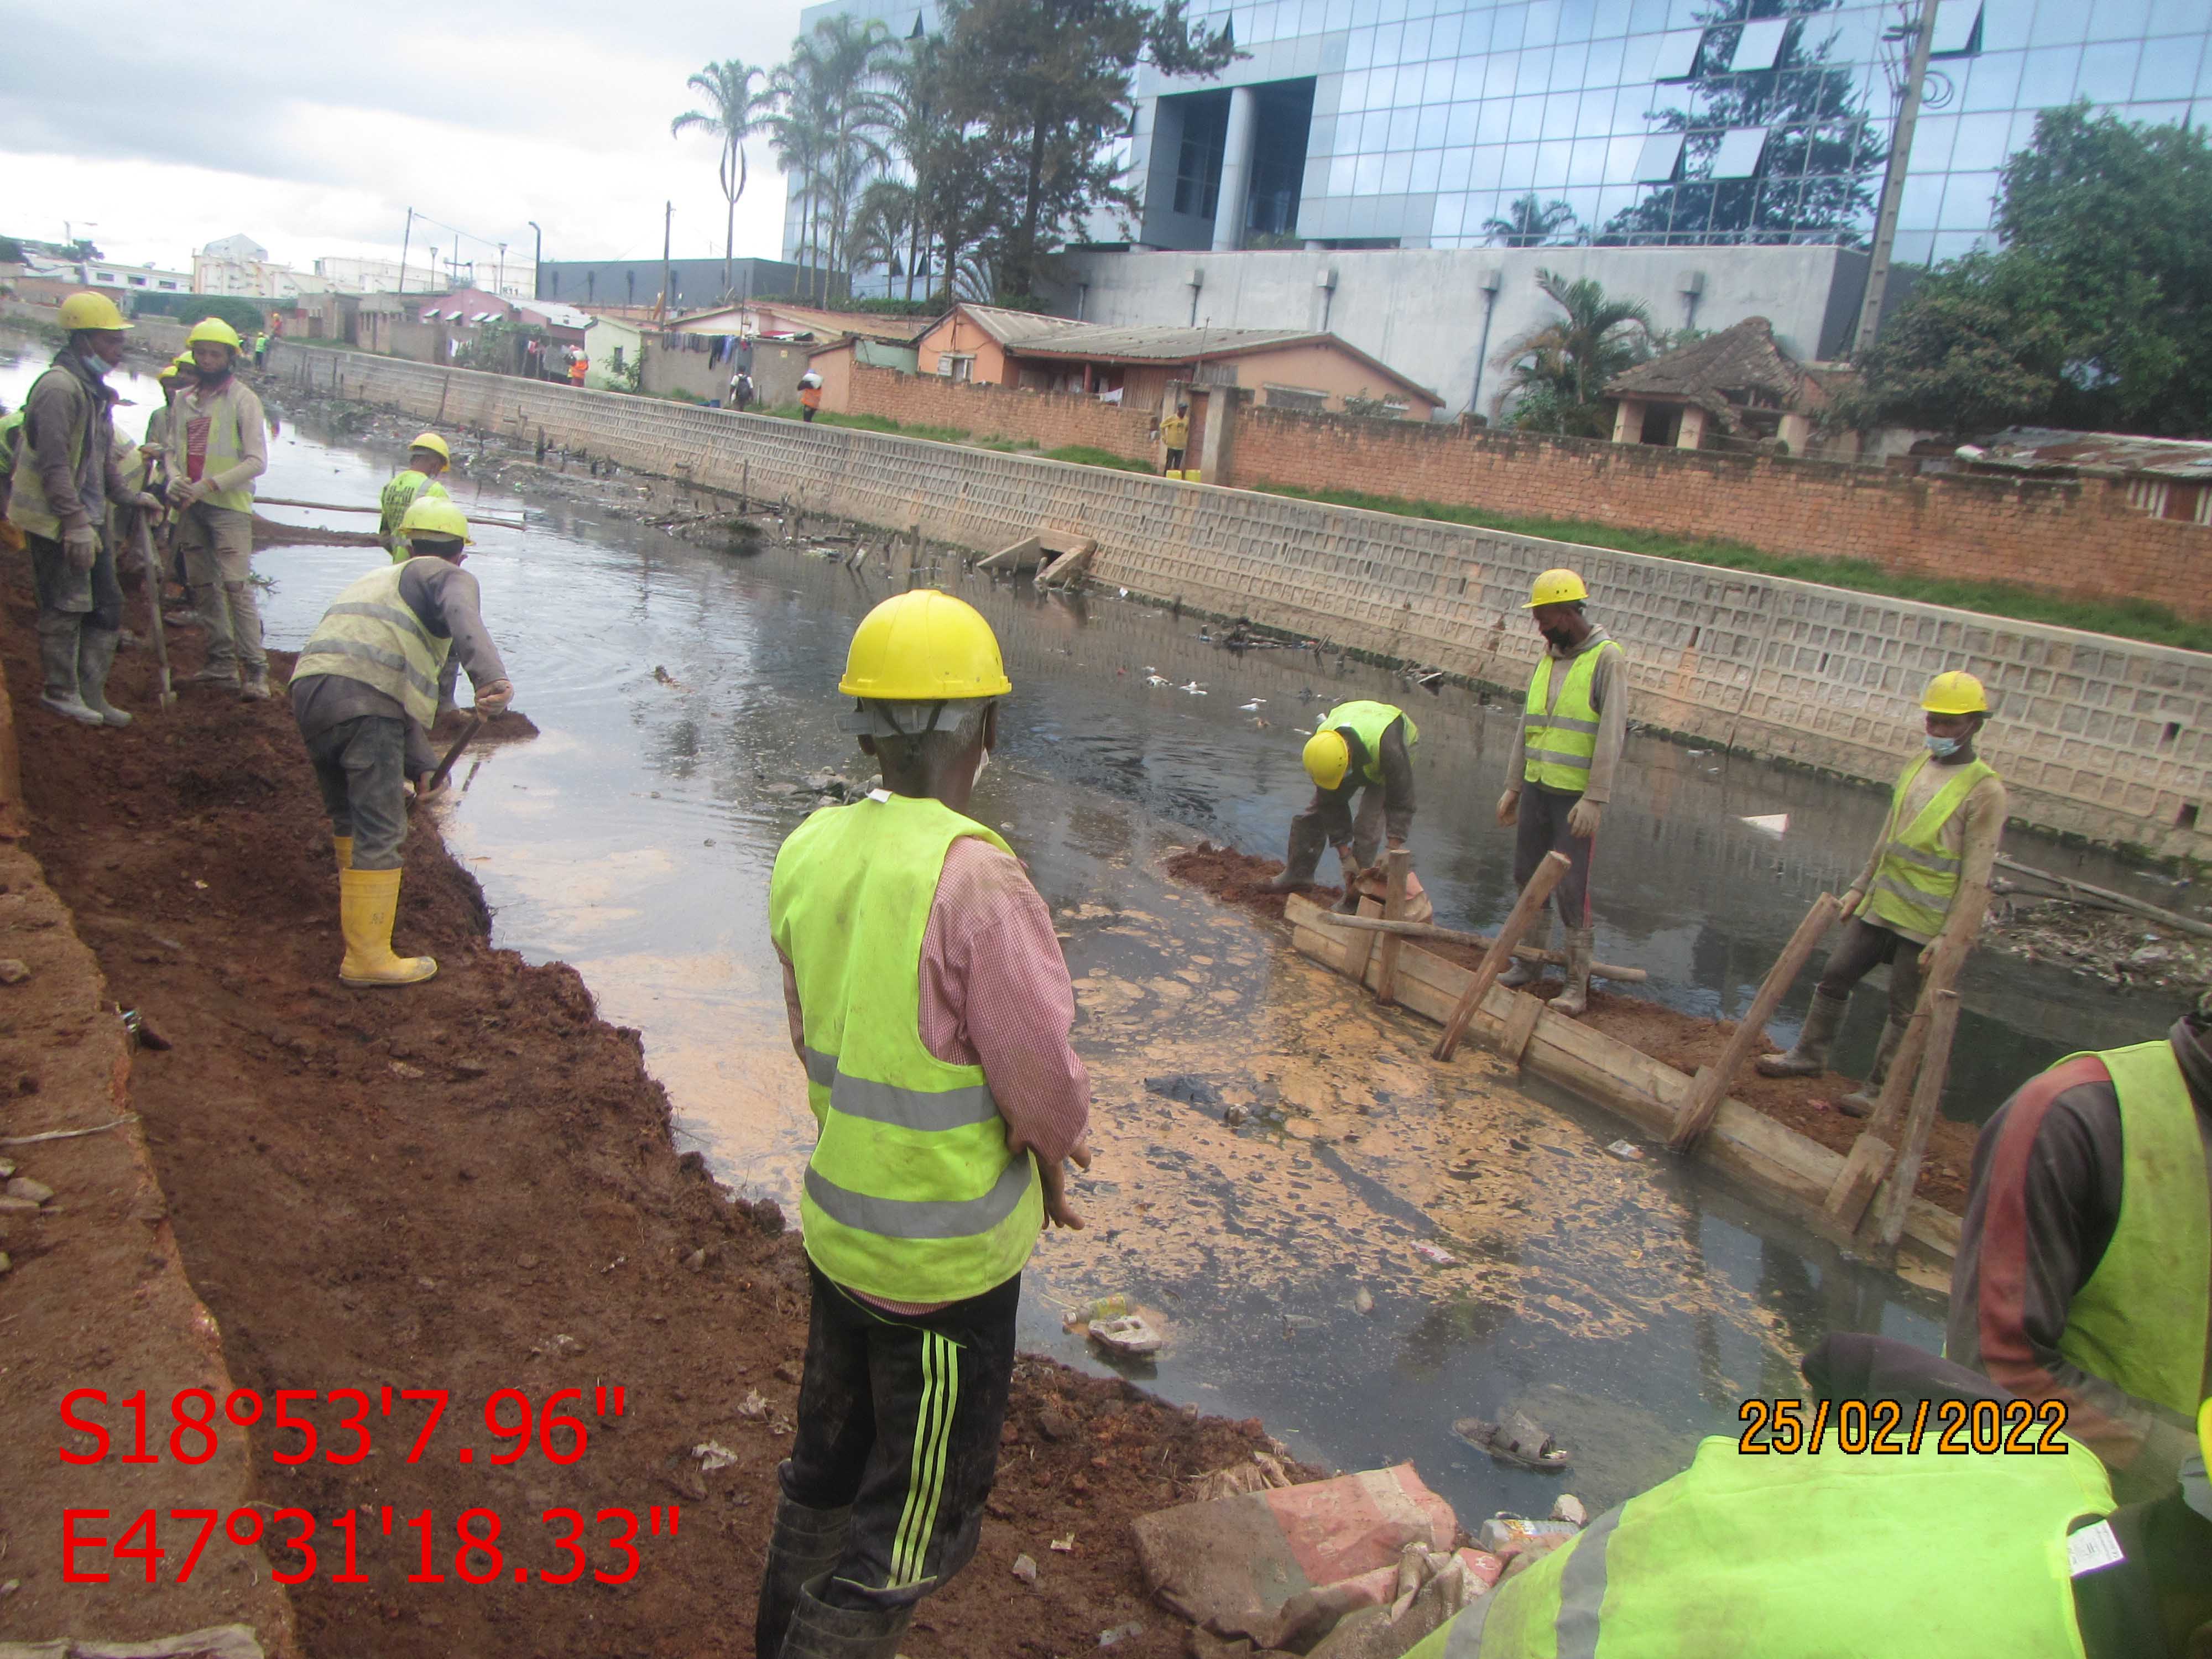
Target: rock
713	1456
400	1068
1025	1570
790	1371
1362	1301
23	1186
1054	1426
1569	1508
7	1168
13	972
1234	1115
15	1206
2151	955
697	1261
526	1262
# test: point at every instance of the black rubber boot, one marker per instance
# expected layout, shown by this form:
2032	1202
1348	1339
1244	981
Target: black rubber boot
1810	1058
803	1546
819	1630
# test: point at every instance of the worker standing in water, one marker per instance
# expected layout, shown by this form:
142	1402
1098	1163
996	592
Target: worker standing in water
1927	877
930	1007
1363	749
1573	723
427	458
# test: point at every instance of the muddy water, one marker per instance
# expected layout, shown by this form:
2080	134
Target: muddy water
1383	1245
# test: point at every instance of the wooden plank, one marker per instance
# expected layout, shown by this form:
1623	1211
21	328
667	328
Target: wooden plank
1520	1026
1483	942
1525	911
1904	1066
1067	567
1358	954
1714	1083
1856	1182
1398	865
1018	557
1927	1094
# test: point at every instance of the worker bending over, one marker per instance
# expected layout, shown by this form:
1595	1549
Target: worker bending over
1573	725
931	1008
1928	878
64	475
217	448
427	458
364	691
2084	1271
1364	749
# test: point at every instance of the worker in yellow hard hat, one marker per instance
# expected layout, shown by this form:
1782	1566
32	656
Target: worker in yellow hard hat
930	1007
65	477
1927	877
1559	777
1365	749
364	694
217	445
428	457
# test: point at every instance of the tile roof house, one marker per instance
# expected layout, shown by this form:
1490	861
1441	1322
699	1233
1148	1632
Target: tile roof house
1733	390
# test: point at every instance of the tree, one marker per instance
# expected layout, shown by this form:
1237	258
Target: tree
12	251
1972	350
1558	373
828	130
1531	222
1048	83
736	110
1815	176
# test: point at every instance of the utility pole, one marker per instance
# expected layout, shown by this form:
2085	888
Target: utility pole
536	259
406	238
499	282
1922	37
667	224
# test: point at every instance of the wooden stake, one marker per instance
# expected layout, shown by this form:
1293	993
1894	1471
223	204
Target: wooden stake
140	529
1482	942
1398	866
1713	1083
1525	909
1905	1065
1927	1095
1355	962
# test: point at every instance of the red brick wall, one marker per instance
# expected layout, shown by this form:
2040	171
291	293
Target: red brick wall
1048	419
2080	539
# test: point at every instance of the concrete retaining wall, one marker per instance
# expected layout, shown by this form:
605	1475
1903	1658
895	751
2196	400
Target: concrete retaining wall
2097	737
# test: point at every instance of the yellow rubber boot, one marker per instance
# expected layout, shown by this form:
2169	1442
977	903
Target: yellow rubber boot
368	900
343	846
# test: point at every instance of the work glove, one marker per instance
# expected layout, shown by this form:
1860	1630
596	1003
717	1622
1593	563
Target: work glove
146	502
494	698
1508	808
1053	1178
81	544
11	536
187	492
1582	819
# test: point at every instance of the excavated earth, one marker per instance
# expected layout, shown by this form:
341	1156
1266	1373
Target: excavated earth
470	1186
1684	1042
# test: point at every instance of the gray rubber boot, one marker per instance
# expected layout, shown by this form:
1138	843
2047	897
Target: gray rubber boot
1860	1102
818	1630
1810	1058
95	656
803	1546
58	632
1520	970
1575	999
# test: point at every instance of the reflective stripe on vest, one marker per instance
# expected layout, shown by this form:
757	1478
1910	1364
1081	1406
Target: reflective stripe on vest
911	1193
224	447
1370	721
1556	742
2140	1320
371	635
27	506
1916	878
1774	1555
402	493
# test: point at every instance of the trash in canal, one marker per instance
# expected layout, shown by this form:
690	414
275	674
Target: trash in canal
1518	1439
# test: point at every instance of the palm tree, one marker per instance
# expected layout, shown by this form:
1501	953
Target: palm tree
735	112
1558	372
1531	223
914	104
835	110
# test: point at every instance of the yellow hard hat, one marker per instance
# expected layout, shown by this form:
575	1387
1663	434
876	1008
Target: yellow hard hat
2204	1433
1955	692
433	515
1328	757
1556	587
90	310
177	365
434	444
923	647
215	329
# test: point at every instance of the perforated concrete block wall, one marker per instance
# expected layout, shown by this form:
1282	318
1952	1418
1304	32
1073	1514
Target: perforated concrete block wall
2096	737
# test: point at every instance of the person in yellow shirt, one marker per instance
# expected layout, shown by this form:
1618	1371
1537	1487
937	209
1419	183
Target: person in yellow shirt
1175	436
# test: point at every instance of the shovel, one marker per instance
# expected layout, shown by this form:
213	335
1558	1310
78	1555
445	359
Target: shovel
445	767
144	537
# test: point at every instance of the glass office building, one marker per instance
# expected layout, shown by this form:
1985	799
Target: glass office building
1431	123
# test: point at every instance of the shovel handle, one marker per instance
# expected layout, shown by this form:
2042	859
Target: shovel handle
446	766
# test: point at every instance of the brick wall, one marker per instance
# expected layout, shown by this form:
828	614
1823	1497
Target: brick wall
2079	539
1048	419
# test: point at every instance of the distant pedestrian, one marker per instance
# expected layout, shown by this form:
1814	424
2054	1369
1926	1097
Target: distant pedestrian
741	390
810	395
1174	434
578	365
261	348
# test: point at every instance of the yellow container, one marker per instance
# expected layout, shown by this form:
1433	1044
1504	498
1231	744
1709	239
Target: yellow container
1171	474
1190	475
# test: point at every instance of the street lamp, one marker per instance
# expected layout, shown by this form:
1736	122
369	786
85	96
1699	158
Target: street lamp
537	258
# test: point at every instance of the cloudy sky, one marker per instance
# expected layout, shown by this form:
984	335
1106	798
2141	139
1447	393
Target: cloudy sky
314	126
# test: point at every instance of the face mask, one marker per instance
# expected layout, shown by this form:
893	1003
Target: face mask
1943	748
96	366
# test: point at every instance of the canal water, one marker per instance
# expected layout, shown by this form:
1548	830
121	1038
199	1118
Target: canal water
1383	1245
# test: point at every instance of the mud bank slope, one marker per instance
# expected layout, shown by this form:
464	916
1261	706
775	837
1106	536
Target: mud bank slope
470	1186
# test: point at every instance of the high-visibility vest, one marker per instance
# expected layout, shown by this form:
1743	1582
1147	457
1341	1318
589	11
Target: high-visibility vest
1370	721
402	493
1557	744
371	635
1808	1556
911	1194
2140	1320
11	435
226	417
27	506
1917	877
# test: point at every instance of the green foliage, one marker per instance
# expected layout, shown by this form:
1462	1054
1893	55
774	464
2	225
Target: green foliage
1532	222
2131	619
12	251
737	108
1086	455
2096	313
932	307
1557	374
243	315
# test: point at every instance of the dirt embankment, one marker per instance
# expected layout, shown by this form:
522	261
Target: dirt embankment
1681	1041
469	1185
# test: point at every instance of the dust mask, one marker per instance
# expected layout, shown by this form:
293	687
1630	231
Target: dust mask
94	365
1943	748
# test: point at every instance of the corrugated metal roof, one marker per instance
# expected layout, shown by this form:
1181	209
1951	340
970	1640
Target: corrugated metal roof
1161	345
2028	448
1010	327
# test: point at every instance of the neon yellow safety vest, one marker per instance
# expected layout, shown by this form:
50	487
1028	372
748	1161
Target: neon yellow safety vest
27	506
406	487
1916	878
1558	742
2141	1322
1809	1556
371	635
224	447
911	1194
1370	721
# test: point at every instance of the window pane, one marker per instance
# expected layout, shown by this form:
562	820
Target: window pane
1527	119
1954	25
1560	110
1437	83
1738	155
2059	23
1604	67
1474	33
1367	177
1678	55
1489	168
1508	30
2047	76
1980	143
2169	68
1552	161
1520	173
1397	169
1493	119
1993	82
1587	167
1760	44
1460	125
2108	71
1458	168
1655	162
1403	124
1931	142
1922	198
1388	40
1428	168
2118	20
1340	174
1969	201
1429	131
1450	210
